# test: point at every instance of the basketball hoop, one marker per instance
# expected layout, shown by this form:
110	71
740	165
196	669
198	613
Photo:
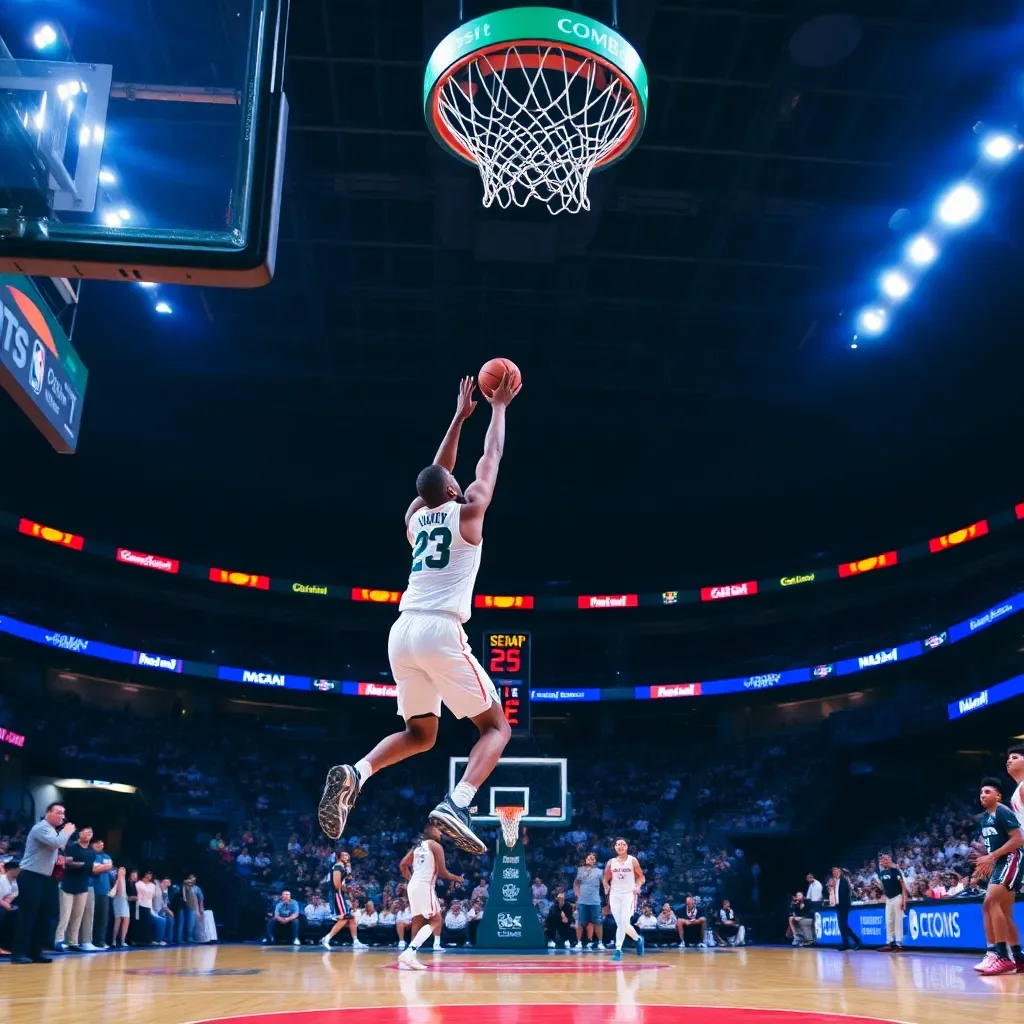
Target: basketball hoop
536	98
509	818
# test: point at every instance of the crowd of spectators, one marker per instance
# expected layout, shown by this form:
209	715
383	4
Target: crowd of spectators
99	904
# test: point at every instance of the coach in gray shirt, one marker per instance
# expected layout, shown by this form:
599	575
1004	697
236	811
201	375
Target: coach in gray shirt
587	889
37	886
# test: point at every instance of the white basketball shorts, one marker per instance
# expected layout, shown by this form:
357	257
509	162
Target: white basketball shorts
422	899
432	663
623	906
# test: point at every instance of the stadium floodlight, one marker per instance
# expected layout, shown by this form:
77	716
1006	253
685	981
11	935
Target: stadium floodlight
998	146
895	284
872	320
107	177
960	205
44	37
147	284
162	307
922	250
124	213
112	220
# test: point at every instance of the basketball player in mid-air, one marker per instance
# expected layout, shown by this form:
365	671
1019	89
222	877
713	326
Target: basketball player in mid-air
623	880
1003	865
421	867
430	658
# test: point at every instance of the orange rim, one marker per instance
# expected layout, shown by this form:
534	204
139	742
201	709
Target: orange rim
583	57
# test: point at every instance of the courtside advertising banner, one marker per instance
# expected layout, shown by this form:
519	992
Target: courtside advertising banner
938	924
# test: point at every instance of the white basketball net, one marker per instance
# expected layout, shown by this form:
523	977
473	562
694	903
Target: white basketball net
537	121
509	818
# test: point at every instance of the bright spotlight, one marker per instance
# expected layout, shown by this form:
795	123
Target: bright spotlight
124	213
854	345
872	321
111	220
922	250
108	178
998	147
162	307
84	135
74	88
895	284
960	205
44	36
147	284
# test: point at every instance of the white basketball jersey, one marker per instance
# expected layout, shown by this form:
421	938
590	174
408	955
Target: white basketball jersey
423	866
444	566
1017	803
623	878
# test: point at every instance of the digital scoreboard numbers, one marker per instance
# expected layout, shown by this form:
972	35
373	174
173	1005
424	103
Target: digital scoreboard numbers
507	660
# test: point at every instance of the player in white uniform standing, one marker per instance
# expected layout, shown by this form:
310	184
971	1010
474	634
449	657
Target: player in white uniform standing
421	867
1015	769
623	880
430	658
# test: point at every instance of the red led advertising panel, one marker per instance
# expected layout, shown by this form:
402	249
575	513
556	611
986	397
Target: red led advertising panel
67	540
731	590
867	564
676	690
377	596
240	579
496	601
607	601
144	561
378	690
950	540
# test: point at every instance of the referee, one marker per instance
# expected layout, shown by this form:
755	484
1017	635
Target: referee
37	900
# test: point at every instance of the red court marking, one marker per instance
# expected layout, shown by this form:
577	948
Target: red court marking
543	1013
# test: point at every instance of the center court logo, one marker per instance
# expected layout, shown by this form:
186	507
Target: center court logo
509	893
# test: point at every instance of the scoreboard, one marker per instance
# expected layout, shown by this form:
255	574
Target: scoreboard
507	661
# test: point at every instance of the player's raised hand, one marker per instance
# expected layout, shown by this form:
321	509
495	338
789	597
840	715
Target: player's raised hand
504	392
466	404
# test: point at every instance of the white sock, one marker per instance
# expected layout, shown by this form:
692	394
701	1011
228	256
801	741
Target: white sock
421	936
363	770
462	794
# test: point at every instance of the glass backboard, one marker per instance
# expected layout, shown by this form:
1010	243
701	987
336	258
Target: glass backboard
538	784
142	140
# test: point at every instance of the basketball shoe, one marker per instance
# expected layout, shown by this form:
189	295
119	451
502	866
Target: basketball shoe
407	961
454	823
988	958
341	791
999	966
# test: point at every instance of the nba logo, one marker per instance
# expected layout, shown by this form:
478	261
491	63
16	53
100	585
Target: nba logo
37	370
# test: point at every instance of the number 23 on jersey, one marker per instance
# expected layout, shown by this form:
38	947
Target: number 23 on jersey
432	550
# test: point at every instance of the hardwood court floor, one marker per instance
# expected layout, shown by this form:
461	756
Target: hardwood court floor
283	985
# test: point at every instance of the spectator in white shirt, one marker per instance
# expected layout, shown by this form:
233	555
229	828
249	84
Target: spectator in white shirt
813	889
403	922
456	925
539	891
145	890
387	921
315	913
8	908
474	916
366	923
480	892
646	922
667	927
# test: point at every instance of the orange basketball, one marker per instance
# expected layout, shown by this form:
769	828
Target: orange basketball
493	370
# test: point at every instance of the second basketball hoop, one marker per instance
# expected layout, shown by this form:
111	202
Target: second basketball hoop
536	98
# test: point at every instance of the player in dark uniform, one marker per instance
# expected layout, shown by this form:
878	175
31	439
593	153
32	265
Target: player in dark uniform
340	904
1003	865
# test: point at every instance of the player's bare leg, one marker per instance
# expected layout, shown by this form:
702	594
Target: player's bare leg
344	781
451	815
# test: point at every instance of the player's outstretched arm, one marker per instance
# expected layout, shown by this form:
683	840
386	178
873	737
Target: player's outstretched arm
481	490
449	450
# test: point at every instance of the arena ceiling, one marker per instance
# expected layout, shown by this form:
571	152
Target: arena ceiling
691	399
